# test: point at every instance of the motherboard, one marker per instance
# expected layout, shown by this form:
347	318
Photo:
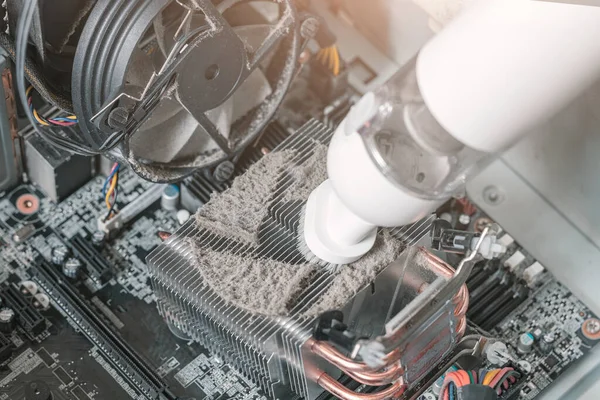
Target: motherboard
98	334
78	317
541	327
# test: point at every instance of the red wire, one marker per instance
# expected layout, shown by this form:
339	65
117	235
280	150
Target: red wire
499	376
463	377
61	123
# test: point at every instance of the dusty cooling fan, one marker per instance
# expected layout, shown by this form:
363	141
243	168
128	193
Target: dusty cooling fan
187	88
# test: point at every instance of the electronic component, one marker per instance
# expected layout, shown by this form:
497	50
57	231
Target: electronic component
97	267
232	85
24	233
515	260
29	288
514	390
170	198
98	238
55	171
183	216
28	317
494	294
547	342
506	240
525	343
537	333
550	362
41	301
27	204
60	254
71	268
525	366
497	353
130	211
6	348
591	329
8	320
533	273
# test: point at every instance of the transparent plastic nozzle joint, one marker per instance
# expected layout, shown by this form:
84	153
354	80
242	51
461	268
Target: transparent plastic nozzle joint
408	145
389	164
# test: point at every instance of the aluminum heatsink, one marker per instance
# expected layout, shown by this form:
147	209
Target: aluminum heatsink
275	352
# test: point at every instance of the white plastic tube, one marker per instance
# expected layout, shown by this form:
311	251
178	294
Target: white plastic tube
503	66
491	75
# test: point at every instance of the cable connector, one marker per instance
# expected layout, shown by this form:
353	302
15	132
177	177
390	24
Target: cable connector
444	238
330	327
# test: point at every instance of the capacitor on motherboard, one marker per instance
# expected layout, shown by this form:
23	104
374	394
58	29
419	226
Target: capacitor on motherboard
436	388
60	254
71	268
170	198
183	216
525	343
8	320
547	342
98	238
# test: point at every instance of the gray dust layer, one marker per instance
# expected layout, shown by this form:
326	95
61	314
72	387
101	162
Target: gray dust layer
238	212
354	277
264	287
306	177
268	287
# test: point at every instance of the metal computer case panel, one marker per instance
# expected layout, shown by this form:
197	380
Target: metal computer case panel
9	174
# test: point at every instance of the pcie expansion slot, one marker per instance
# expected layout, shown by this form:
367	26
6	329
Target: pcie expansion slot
117	351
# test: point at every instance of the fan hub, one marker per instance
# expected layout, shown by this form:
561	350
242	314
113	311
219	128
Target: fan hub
211	72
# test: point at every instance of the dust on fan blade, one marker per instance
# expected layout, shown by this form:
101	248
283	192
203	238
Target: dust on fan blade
171	134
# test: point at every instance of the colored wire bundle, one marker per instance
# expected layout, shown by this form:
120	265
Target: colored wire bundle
498	379
69	120
110	192
330	57
57	138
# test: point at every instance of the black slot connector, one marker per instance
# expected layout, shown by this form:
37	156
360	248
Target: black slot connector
28	317
98	268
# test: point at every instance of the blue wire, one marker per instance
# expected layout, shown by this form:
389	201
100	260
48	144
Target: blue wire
482	375
64	119
451	391
107	181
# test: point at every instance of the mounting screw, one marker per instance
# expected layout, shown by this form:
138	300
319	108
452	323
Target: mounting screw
224	171
493	196
310	27
118	118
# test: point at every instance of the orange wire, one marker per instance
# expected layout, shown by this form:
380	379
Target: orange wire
330	58
336	65
109	192
490	377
